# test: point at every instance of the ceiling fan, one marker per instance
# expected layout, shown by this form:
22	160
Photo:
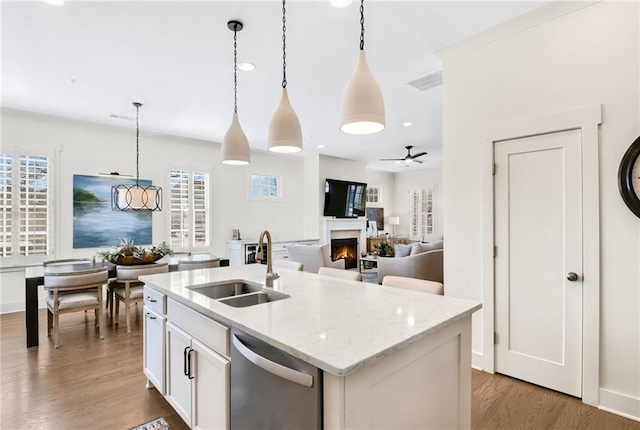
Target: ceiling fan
408	158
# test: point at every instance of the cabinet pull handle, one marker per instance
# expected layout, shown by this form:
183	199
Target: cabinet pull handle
151	317
151	300
185	369
189	361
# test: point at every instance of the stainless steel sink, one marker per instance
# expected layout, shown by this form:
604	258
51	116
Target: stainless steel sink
227	289
251	299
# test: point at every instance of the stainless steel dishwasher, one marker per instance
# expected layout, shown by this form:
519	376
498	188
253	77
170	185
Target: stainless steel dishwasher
271	389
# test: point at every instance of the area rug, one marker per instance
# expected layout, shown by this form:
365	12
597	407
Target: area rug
370	276
157	424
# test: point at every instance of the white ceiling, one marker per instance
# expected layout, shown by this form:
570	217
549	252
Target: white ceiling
88	60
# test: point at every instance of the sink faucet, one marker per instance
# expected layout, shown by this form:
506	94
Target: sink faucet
271	275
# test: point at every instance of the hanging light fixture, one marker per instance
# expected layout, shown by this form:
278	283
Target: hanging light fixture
362	107
285	133
136	197
235	146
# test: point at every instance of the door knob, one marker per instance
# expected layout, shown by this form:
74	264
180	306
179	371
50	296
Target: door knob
572	276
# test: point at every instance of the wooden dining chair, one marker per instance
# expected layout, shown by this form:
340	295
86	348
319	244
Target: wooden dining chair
126	288
79	290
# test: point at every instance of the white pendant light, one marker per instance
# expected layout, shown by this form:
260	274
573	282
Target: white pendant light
285	133
362	107
136	197
235	146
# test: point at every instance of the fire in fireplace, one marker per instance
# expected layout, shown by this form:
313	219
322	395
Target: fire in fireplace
347	249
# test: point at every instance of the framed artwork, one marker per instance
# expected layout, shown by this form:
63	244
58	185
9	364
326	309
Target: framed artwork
95	224
377	215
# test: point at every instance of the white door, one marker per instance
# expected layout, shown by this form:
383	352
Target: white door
211	409
538	235
153	348
178	383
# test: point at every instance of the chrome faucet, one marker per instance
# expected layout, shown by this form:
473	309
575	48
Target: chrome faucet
271	275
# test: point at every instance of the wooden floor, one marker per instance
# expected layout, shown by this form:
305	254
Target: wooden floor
92	384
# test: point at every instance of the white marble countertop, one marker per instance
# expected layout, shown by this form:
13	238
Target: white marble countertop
334	324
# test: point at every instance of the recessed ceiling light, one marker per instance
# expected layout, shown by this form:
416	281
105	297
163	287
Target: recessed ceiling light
407	124
246	67
320	146
340	3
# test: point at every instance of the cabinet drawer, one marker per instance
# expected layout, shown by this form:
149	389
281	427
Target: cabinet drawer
206	330
155	301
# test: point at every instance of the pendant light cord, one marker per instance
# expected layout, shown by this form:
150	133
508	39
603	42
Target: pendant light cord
137	105
235	69
361	25
284	44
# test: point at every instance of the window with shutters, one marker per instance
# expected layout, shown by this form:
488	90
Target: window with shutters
25	207
265	187
421	220
189	209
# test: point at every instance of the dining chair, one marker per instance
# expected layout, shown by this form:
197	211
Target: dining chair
68	261
198	261
127	288
423	285
288	264
79	290
339	273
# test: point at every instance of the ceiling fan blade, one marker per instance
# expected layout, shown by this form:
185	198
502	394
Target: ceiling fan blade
391	159
419	154
417	161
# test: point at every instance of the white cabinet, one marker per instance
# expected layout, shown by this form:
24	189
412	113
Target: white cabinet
154	349
198	375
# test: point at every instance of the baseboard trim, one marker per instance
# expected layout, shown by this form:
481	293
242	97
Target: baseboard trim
12	307
478	361
620	404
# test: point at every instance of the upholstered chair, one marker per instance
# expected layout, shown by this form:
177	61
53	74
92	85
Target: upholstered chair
286	264
80	290
198	262
313	257
425	261
340	273
425	286
128	289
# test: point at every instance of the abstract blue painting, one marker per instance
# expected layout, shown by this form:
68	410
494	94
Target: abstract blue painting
95	224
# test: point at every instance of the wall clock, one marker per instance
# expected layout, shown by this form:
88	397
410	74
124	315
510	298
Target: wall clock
629	177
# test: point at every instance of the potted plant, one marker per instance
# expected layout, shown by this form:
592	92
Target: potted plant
384	249
126	253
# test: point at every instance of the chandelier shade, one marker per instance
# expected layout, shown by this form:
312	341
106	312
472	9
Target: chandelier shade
136	197
235	146
362	106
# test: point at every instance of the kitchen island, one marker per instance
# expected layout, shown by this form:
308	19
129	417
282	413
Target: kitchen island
391	358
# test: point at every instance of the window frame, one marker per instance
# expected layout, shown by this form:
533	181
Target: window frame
191	211
16	152
266	198
426	201
378	195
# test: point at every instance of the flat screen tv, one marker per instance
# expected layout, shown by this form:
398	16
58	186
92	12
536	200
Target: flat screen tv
344	199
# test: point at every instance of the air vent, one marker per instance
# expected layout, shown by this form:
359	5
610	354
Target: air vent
426	82
122	117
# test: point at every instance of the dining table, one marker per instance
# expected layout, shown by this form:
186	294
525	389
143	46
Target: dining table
34	277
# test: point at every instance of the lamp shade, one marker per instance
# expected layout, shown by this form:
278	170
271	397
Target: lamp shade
394	220
235	146
285	133
136	197
362	107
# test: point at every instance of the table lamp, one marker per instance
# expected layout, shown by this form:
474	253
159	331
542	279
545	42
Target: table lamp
394	221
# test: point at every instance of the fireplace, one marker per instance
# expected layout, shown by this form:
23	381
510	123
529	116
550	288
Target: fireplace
347	249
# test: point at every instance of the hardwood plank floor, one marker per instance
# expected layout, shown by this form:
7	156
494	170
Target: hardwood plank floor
93	384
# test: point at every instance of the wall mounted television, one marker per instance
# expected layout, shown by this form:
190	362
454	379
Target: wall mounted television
344	199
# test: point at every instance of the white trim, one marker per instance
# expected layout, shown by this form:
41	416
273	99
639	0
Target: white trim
620	404
587	119
276	198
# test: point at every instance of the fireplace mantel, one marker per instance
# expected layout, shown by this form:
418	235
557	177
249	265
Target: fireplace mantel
357	225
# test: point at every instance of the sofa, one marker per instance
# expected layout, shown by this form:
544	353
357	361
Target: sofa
314	257
424	261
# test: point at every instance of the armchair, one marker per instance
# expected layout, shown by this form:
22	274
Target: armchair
425	265
313	257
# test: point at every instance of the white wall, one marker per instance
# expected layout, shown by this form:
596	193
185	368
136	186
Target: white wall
417	180
570	60
90	148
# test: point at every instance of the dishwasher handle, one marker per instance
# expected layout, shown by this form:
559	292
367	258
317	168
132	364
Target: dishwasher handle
272	367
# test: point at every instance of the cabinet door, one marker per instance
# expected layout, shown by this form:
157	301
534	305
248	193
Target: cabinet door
178	392
210	388
154	348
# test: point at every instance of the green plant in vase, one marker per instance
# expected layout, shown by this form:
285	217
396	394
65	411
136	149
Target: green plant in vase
384	249
126	253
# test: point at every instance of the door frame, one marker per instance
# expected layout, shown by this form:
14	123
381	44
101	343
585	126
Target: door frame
587	120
